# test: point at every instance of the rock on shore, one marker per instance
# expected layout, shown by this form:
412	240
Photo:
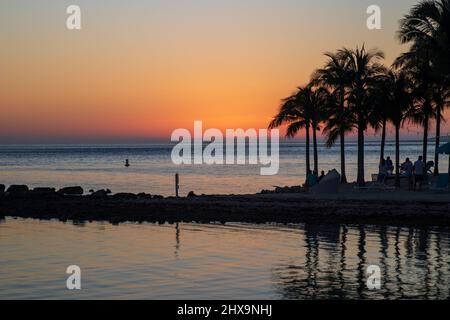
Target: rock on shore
267	208
17	189
400	207
73	191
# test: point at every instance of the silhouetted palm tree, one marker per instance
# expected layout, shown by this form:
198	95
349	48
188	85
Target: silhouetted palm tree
315	101
365	69
427	27
423	77
300	111
335	75
296	117
399	103
379	117
441	98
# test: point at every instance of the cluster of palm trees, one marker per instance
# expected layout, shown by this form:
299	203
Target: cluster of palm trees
355	91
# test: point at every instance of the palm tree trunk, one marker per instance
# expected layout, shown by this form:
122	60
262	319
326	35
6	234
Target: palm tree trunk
383	139
438	139
316	157
342	136
360	178
308	164
425	139
343	175
397	156
448	171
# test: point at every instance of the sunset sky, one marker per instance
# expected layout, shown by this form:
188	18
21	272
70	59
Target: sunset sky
144	68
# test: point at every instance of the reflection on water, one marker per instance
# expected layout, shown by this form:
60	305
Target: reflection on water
414	263
189	261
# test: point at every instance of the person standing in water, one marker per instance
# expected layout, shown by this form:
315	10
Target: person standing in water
127	163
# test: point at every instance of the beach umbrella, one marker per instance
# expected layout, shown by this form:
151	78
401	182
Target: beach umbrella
445	149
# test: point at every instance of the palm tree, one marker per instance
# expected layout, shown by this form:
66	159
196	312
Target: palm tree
335	75
293	114
417	64
315	119
338	122
365	70
379	117
315	100
302	111
381	124
441	97
427	27
399	104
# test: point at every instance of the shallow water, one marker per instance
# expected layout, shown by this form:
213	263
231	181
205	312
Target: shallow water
152	171
193	261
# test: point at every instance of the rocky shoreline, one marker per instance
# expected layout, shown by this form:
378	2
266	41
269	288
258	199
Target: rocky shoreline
47	203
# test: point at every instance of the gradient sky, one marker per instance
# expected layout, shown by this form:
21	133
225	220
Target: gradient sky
144	68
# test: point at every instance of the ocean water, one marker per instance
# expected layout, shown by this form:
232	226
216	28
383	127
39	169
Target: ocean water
152	171
196	261
234	261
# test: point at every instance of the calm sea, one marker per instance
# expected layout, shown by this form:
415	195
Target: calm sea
190	261
152	171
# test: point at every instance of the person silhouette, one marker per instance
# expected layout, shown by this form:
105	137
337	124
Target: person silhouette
419	172
389	165
127	163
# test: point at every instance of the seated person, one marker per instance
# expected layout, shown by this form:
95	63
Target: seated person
322	175
389	165
430	164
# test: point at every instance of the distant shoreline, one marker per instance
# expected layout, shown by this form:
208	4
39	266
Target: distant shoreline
408	209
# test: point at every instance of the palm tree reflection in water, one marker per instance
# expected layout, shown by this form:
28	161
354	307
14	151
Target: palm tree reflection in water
413	262
177	239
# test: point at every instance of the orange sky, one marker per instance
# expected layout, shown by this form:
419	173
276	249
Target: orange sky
146	68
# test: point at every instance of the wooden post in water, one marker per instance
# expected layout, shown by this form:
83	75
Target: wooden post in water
177	184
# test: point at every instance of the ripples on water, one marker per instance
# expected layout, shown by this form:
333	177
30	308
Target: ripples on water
193	261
